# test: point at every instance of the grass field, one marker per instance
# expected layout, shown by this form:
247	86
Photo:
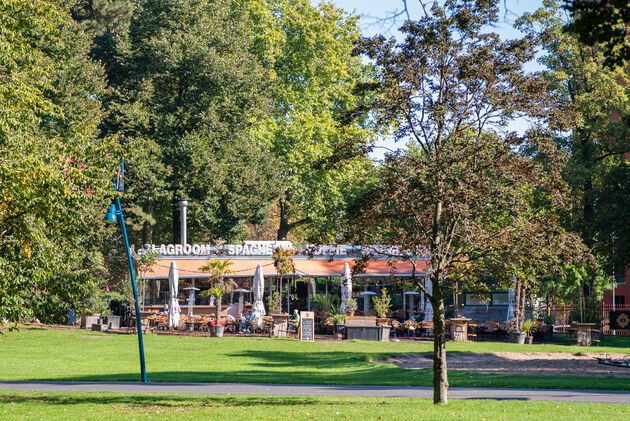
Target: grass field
39	354
113	406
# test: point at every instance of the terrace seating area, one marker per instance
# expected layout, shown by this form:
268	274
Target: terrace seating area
344	327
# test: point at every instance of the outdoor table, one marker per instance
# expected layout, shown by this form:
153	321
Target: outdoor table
459	328
280	324
583	333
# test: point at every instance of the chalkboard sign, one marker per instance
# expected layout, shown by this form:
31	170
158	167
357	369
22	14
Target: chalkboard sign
619	320
307	326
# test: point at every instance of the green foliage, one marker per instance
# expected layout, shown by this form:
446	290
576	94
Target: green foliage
528	326
218	292
54	173
591	126
319	144
467	191
323	304
382	304
187	90
351	304
217	270
339	318
602	24
145	263
283	261
100	301
274	302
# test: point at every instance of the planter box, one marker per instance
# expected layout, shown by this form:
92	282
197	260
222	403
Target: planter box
113	322
368	333
99	327
217	331
88	321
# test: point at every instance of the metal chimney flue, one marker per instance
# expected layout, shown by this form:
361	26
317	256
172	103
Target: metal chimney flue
182	205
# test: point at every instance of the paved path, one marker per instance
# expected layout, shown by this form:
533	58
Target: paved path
601	396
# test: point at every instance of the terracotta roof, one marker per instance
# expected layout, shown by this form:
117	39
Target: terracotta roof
189	268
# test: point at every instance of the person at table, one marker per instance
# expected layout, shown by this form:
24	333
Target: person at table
164	309
248	322
294	320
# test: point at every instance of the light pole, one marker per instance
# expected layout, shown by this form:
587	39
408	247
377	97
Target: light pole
113	213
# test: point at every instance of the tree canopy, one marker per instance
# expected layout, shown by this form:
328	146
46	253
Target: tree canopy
53	170
462	188
186	91
319	144
603	24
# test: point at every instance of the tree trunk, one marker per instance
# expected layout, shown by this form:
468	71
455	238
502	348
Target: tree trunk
147	226
438	262
440	374
523	294
517	305
284	227
218	310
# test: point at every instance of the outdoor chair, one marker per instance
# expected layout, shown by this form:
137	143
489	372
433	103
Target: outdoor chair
472	331
427	327
397	327
410	327
596	336
492	328
185	322
255	325
268	325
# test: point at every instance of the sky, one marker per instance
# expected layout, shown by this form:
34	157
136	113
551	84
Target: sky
373	11
379	17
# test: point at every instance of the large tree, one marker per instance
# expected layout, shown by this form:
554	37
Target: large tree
603	24
590	123
186	92
451	88
320	146
53	171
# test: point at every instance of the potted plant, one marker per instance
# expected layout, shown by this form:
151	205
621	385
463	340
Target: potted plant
217	292
528	328
339	320
351	306
218	268
382	305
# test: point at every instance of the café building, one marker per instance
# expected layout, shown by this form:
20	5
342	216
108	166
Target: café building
318	270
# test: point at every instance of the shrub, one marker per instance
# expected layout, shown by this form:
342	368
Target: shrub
351	304
382	304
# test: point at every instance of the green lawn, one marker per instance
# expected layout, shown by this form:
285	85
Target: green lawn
38	354
114	406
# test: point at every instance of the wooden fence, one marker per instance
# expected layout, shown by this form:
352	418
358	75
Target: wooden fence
566	314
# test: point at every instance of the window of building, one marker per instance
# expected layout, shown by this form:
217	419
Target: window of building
620	279
620	300
474	300
500	299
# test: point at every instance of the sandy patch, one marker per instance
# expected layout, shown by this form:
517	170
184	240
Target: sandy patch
528	364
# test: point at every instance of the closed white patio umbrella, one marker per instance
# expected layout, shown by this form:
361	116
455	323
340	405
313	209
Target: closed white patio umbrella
346	287
258	288
173	304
